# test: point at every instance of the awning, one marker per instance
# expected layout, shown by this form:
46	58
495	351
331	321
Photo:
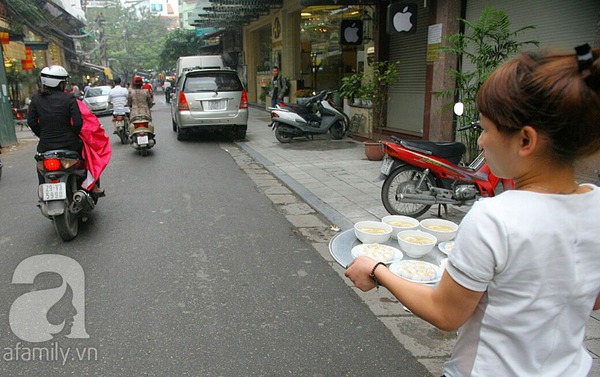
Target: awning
105	70
39	46
232	13
310	3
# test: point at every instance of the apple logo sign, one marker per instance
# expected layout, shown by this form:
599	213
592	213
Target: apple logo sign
402	18
352	32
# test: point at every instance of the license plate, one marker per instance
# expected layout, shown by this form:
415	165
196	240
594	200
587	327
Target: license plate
142	140
54	191
216	105
386	165
119	123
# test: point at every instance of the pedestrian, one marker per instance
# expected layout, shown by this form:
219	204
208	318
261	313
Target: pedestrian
524	274
278	86
89	85
75	90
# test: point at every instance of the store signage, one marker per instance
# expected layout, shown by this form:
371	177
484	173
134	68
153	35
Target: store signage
27	63
402	18
351	32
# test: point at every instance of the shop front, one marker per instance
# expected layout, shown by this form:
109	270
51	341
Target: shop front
315	47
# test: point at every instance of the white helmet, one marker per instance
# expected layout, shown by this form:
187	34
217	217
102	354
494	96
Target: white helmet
52	76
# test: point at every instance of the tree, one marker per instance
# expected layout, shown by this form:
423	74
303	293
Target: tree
126	39
485	44
179	42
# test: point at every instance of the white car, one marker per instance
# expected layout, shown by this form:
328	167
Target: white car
96	99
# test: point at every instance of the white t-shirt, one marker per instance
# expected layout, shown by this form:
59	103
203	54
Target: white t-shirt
118	97
537	257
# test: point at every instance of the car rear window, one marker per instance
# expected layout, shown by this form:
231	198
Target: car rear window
209	82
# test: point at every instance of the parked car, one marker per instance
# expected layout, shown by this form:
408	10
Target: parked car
96	99
210	100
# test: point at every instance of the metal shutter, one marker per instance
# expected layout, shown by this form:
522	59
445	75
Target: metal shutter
406	104
558	24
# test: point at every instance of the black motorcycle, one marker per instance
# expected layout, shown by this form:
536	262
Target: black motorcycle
61	198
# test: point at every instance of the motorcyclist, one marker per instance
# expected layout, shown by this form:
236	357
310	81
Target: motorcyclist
139	100
168	87
118	97
148	87
54	116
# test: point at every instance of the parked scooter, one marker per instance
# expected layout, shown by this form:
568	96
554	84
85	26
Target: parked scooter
61	197
141	133
419	174
289	124
120	117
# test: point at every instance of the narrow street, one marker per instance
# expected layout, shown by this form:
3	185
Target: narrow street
189	270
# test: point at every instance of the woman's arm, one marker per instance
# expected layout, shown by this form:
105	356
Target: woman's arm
447	306
76	116
33	118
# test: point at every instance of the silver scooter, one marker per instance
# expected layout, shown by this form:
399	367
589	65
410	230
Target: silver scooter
288	124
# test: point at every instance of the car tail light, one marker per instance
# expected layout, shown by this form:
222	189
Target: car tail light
52	164
244	101
183	105
140	125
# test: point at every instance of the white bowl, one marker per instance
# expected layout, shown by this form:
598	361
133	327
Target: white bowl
366	237
413	249
408	223
441	235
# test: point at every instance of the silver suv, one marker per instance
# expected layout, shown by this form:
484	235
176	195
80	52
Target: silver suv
210	100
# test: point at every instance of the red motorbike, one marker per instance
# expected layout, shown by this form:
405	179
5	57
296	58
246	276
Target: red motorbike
419	174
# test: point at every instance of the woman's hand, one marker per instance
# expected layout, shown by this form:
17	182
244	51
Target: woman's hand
359	272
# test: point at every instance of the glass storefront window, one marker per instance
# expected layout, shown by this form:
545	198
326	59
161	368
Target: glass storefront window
265	49
324	60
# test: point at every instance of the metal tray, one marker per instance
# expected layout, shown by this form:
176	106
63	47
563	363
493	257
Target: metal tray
340	248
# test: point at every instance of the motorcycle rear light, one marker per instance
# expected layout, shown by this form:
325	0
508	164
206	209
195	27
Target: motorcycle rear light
275	115
52	164
244	101
120	117
54	181
140	125
183	105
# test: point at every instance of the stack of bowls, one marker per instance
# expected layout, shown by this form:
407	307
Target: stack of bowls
443	230
416	243
372	231
400	223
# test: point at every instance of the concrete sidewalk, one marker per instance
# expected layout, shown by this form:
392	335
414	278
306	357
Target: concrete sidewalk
335	178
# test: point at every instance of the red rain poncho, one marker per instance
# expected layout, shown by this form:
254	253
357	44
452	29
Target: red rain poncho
96	146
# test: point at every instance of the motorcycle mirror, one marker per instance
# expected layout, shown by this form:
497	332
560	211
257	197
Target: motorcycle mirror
459	108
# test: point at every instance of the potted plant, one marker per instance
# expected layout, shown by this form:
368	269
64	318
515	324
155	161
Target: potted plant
384	74
351	86
302	95
485	44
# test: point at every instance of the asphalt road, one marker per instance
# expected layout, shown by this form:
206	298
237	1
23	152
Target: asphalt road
189	271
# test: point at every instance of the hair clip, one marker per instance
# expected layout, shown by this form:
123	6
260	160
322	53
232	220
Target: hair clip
584	56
